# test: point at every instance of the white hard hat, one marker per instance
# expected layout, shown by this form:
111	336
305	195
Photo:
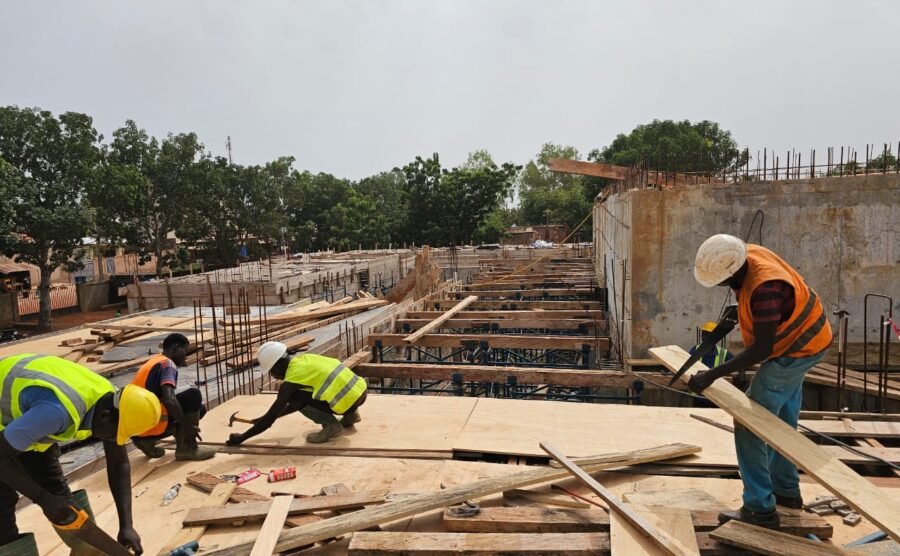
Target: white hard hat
718	259
269	353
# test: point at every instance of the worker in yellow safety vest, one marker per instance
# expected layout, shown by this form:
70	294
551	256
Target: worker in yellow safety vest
716	357
318	387
45	400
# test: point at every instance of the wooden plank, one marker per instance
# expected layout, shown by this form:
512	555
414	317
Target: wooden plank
495	340
519	305
433	325
538	519
532	292
775	543
676	522
257	511
208	483
877	505
488	373
361	305
659	539
684	498
272	526
218	497
551	324
581	168
516	315
418	504
440	544
528	496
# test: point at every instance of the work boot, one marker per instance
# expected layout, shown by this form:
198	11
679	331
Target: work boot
330	425
769	520
186	448
149	447
792	502
25	545
350	418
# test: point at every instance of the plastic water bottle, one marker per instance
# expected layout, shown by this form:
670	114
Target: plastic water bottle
171	494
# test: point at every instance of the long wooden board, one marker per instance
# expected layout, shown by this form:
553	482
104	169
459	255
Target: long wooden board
272	526
877	505
440	544
436	323
640	527
549	324
393	511
775	543
489	373
257	511
516	315
520	305
495	340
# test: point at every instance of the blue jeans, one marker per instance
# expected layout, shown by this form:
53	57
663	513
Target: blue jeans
777	386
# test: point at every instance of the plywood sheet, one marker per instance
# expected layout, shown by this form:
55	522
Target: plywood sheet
396	422
580	430
674	523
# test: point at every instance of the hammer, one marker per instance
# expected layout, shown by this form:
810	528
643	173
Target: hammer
234	418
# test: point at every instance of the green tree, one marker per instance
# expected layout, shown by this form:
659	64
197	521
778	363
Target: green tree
675	146
308	200
50	161
547	197
388	191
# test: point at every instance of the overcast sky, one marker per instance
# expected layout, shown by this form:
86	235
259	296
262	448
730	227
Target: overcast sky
353	88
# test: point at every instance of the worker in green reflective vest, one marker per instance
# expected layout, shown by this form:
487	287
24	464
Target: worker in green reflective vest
318	387
45	400
713	358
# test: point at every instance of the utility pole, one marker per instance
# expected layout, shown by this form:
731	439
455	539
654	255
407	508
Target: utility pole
228	146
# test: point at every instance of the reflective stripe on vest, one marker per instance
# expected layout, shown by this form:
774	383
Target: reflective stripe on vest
327	379
77	388
140	379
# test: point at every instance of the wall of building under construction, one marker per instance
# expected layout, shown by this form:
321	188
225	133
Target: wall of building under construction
841	234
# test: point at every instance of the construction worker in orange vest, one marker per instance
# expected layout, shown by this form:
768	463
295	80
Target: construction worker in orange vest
318	387
784	327
181	412
46	400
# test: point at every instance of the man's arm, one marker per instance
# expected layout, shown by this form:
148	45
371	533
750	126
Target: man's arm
173	408
56	508
118	475
759	351
279	408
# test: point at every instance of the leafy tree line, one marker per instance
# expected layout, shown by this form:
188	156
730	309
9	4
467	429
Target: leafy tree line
60	182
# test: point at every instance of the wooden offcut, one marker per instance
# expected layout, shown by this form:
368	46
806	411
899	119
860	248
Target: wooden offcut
272	526
441	544
867	499
218	497
775	543
256	511
675	522
660	539
393	511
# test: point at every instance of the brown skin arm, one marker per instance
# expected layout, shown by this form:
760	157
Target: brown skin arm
761	349
118	475
173	408
280	407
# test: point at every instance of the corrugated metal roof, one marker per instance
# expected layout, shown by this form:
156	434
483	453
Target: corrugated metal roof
8	268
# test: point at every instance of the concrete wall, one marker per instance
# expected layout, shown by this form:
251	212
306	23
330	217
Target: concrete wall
92	296
841	234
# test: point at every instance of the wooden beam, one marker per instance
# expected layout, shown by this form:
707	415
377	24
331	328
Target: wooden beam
361	305
497	374
659	538
593	169
440	544
219	496
433	325
512	305
418	504
537	519
496	316
257	511
272	526
766	541
532	292
522	341
878	506
550	324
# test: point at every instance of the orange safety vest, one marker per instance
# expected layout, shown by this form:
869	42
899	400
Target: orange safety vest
807	332
140	379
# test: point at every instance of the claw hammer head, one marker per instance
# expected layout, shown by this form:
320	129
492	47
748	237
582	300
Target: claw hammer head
234	417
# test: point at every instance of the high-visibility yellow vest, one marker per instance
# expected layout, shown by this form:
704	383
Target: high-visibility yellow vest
76	387
328	379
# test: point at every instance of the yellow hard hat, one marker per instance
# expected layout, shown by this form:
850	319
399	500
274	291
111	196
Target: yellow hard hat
708	327
139	411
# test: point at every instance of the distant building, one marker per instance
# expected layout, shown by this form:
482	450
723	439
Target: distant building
526	235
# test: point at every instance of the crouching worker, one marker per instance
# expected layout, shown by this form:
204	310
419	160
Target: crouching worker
45	400
318	387
181	412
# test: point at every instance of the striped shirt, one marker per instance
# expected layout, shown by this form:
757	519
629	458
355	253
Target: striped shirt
772	301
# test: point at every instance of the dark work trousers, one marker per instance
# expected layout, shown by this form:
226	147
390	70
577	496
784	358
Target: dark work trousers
191	401
302	398
44	469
